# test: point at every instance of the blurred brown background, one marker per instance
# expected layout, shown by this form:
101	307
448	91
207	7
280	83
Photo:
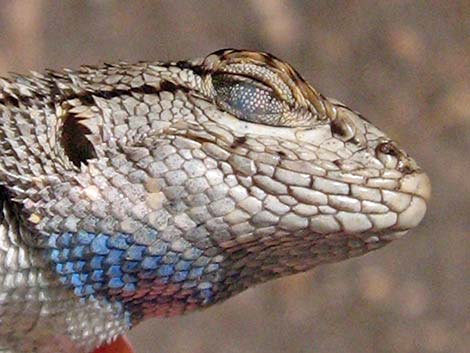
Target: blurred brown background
404	64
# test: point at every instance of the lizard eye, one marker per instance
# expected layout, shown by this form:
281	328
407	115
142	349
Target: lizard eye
248	99
259	88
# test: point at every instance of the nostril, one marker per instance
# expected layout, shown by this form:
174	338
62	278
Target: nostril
406	168
392	157
388	148
388	154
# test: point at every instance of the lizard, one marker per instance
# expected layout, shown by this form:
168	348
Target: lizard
131	191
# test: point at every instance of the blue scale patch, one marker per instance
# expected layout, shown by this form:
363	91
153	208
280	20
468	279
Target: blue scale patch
147	280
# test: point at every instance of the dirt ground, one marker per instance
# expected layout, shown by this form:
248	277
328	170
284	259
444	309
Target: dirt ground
404	64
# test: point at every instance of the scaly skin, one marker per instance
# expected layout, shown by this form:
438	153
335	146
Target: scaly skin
138	190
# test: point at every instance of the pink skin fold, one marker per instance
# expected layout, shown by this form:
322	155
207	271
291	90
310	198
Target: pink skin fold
120	345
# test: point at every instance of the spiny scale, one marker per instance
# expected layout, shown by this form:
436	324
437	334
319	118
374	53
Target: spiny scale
153	189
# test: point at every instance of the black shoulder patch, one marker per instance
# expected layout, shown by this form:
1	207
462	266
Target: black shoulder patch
76	145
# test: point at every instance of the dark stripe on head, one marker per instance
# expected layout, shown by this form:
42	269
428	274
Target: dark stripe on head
86	98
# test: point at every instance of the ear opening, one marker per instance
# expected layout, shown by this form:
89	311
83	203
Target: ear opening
77	147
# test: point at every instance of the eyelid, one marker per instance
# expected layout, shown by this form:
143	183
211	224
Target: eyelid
260	88
265	76
279	75
248	99
255	81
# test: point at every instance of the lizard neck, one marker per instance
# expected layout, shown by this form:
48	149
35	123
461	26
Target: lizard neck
52	317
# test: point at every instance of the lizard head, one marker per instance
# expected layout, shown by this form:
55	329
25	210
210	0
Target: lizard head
171	186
